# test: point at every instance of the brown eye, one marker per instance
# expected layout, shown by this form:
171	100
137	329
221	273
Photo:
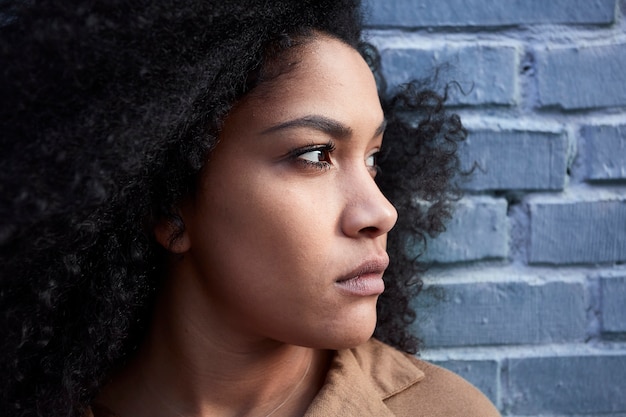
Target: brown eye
316	156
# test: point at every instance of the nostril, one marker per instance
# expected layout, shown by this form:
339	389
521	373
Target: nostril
371	230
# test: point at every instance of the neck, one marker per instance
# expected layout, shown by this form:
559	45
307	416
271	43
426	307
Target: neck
191	365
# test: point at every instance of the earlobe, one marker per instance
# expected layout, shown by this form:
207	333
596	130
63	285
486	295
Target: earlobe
173	237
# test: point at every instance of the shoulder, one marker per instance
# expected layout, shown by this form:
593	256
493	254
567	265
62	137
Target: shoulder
435	392
441	393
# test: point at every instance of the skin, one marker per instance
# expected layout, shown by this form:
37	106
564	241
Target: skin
286	211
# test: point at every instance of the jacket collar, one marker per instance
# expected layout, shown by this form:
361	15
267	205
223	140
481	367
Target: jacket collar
360	379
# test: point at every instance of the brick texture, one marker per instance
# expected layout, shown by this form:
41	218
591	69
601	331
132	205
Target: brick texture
573	385
479	230
582	77
605	155
487	74
613	304
476	13
515	160
577	232
485	313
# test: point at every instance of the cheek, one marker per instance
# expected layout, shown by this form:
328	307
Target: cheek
258	231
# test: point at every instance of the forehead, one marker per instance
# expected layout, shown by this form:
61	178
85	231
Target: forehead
323	76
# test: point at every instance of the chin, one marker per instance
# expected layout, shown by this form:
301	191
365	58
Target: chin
346	328
352	334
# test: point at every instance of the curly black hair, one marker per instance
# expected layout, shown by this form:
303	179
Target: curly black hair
108	111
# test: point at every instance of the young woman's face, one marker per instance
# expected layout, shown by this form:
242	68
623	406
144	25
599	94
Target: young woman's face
287	233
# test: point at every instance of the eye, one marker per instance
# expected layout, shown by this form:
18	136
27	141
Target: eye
316	156
371	162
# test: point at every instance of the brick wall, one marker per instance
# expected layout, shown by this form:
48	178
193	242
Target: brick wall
527	294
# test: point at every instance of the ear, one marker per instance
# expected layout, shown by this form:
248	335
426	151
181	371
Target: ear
173	237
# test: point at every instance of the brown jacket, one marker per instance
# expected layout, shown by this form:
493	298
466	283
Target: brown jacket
376	380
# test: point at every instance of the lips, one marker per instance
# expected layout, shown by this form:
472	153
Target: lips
366	279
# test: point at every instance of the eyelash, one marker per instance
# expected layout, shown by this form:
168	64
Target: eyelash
325	149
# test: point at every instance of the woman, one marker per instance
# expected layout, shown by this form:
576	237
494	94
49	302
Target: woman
193	220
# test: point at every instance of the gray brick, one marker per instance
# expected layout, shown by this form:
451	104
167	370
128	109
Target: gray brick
478	230
605	152
515	160
613	304
573	232
488	313
483	374
580	78
473	13
567	385
488	74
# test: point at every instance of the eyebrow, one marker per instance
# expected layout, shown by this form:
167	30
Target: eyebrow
324	124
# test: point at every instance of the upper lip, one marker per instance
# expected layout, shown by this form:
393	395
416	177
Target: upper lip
372	265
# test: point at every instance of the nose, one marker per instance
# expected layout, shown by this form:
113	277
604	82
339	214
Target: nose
367	211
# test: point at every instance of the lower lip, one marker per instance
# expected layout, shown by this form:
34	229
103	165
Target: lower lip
363	285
